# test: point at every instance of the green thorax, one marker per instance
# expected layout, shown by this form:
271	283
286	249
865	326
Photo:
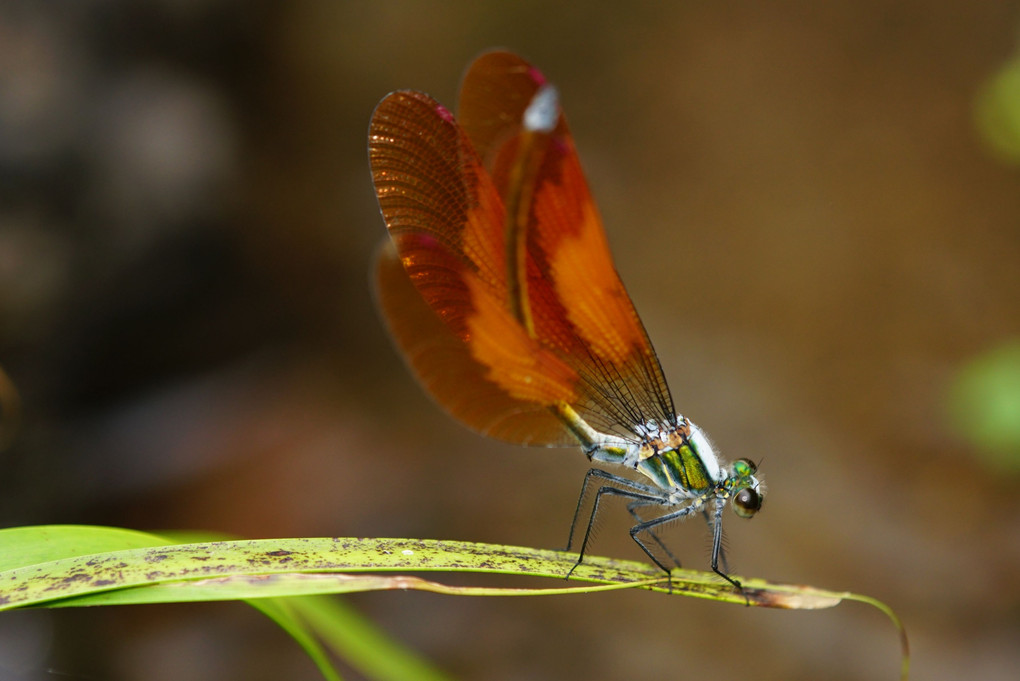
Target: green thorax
679	467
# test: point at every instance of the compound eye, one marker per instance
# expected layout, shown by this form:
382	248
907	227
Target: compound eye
745	467
747	502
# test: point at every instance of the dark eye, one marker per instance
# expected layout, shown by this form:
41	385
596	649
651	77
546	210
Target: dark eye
747	502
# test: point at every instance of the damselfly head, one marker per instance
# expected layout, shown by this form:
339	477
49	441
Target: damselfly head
748	500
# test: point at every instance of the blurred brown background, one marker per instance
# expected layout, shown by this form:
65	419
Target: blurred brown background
797	199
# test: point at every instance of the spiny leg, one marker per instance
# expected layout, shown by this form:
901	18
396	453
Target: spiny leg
607	480
638	493
648	527
594	513
722	545
720	504
633	507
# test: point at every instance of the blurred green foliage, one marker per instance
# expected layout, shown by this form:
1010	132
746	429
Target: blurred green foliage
997	112
985	406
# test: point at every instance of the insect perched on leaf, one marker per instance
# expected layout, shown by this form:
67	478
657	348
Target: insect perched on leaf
500	290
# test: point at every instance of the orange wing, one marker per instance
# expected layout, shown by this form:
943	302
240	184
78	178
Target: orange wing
442	189
444	365
444	298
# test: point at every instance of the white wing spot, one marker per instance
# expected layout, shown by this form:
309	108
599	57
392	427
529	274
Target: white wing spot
543	111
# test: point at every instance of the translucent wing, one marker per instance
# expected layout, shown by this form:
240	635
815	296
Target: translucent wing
442	288
443	363
578	302
442	190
